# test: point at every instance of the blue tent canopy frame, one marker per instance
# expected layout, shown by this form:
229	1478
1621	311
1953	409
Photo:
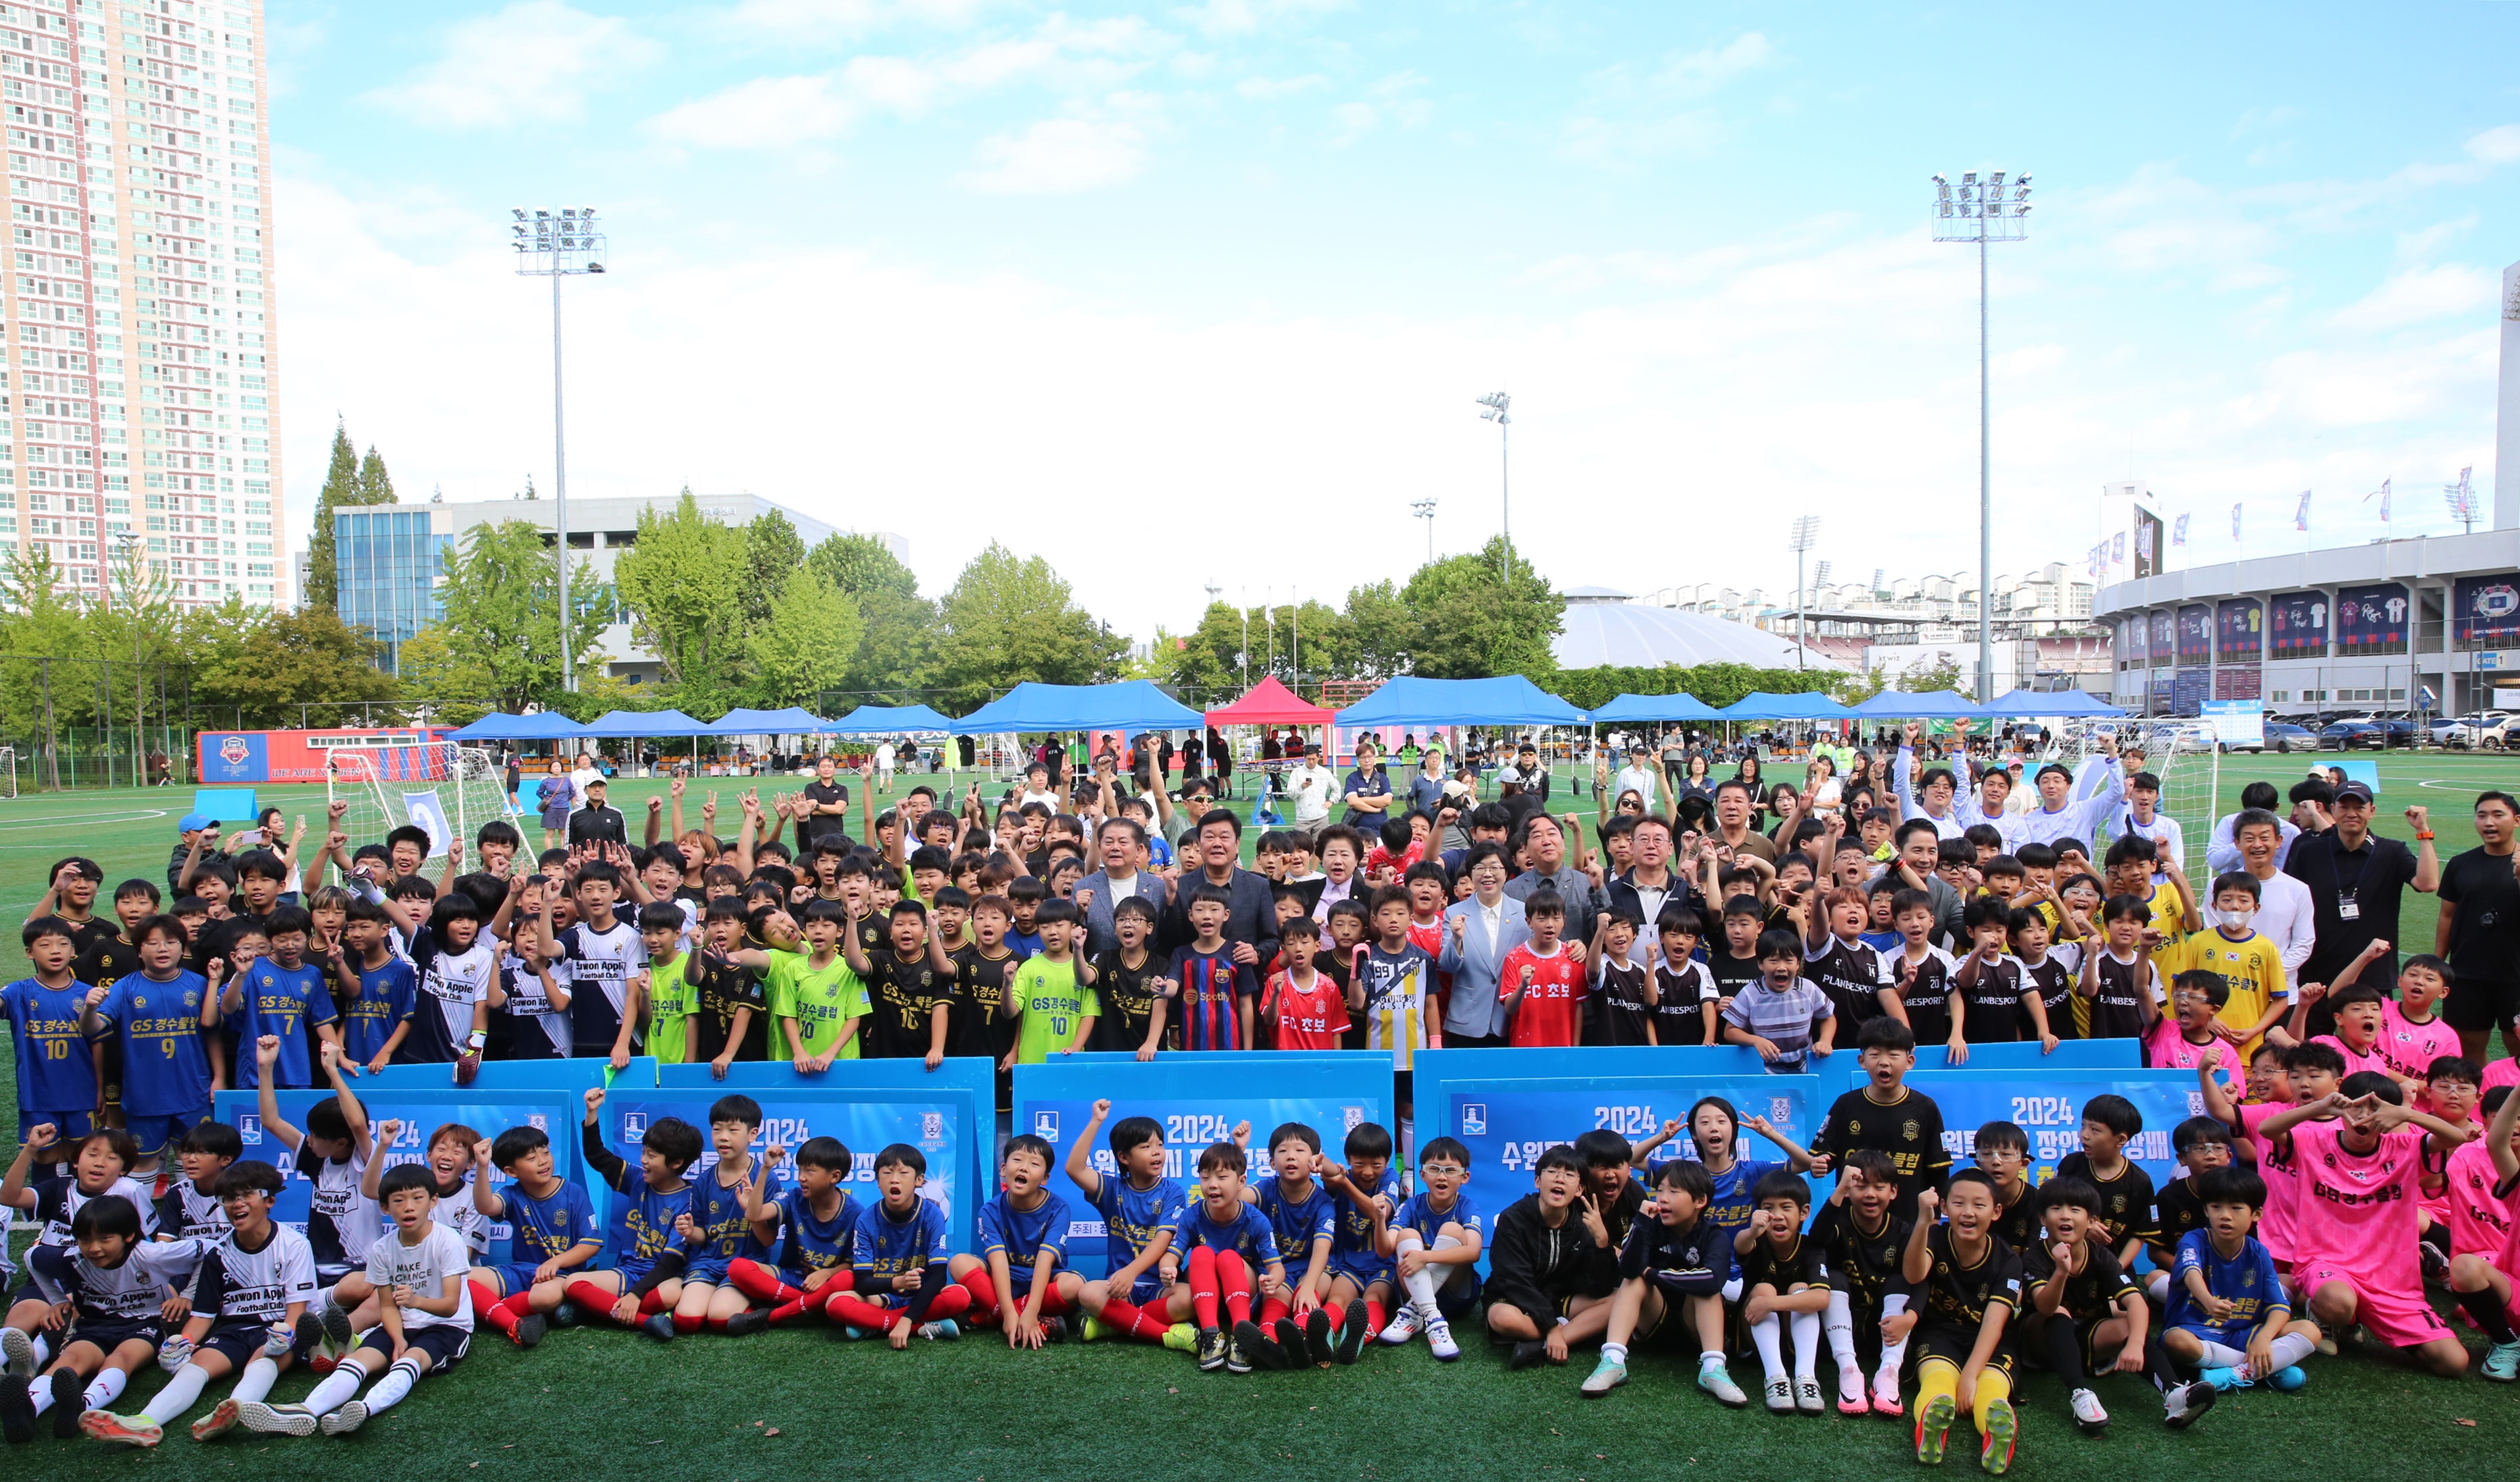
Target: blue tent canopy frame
890	720
1654	707
1132	705
1762	705
1508	699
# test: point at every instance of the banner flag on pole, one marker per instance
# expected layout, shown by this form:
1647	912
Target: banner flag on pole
2301	512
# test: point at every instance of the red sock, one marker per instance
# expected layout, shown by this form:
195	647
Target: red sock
653	1304
857	1311
518	1305
687	1324
1234	1279
592	1300
1374	1316
1203	1290
485	1302
1270	1309
713	1324
759	1283
1151	1325
1054	1303
1338	1315
951	1302
984	1292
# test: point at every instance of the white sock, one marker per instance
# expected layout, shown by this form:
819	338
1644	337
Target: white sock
106	1387
1841	1346
1710	1358
339	1385
1421	1286
1806	1327
1769	1336
1614	1353
178	1394
1894	1356
257	1380
1733	1291
41	1390
2289	1350
2221	1356
2157	1287
1444	1277
396	1384
43	1353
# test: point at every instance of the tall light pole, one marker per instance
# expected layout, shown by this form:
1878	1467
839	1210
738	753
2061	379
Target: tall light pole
1496	403
1806	535
565	243
1983	211
1424	509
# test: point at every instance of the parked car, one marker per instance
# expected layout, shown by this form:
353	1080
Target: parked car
2284	735
2449	731
2495	732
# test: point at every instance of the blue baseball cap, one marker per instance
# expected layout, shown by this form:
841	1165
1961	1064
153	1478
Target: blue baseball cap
193	820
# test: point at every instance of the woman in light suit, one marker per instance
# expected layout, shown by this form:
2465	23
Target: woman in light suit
1479	932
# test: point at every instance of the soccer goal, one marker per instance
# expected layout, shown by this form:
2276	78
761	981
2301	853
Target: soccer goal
2181	754
8	772
450	788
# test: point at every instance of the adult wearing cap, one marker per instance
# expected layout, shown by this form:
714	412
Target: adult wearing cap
195	831
1528	774
2357	882
1638	775
596	823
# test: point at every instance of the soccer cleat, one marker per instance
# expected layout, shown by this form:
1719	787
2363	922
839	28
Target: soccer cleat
1401	1329
566	1315
2434	1261
1094	1331
2326	1342
323	1361
2286	1379
750	1320
1317	1337
2503	1361
1052	1330
1211	1349
69	1401
2223	1380
19	1347
1439	1340
1712	1379
337	1325
2181	1406
17	1409
1605	1377
276	1419
1352	1334
1257	1347
1181	1337
1780	1396
1292	1342
1887	1404
1527	1353
104	1425
1236	1362
221	1419
352	1414
1934	1428
942	1330
532	1326
2090	1416
1807	1397
850	1332
1995	1452
659	1326
1853	1404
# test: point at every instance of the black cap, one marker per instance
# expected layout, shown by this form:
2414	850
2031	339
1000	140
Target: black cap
2359	790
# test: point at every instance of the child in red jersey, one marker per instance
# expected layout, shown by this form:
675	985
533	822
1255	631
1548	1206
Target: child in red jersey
1543	980
1302	1009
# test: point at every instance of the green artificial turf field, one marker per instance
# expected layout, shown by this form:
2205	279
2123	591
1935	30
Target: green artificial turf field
607	1403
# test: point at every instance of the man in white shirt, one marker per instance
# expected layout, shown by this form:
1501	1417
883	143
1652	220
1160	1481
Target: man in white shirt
2222	851
1932	801
883	756
2142	815
1310	786
1990	805
1639	776
585	772
2285	916
2071	807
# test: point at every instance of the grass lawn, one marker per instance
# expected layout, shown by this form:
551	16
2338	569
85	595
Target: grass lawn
609	1403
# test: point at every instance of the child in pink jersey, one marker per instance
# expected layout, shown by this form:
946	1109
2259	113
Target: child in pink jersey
2413	1033
2357	1008
2312	1073
2183	1039
2483	1283
2354	1219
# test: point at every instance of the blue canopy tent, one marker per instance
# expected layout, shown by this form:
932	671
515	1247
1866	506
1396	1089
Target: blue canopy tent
791	721
1654	707
1935	704
1761	705
621	725
2057	703
492	727
890	720
1131	706
1508	700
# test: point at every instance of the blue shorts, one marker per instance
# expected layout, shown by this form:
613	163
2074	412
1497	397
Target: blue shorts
155	1135
516	1277
71	1125
444	1343
1151	1287
709	1269
112	1335
239	1343
1364	1270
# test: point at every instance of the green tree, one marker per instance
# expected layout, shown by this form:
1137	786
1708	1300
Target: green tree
1924	677
1471	624
500	600
341	487
896	626
771	551
445	682
807	643
292	668
1718	685
376	486
684	582
1383	631
1011	618
1211	660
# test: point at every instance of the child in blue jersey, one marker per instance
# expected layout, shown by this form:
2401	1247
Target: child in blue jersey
1714	1139
2228	1316
1224	1243
655	1198
718	1229
57	1069
1019	1280
812	1226
375	988
902	1285
1366	1195
1139	1206
162	1020
1303	1215
283	995
101	1164
553	1233
1434	1242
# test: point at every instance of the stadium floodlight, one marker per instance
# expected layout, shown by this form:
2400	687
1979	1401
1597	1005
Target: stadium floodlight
1805	536
1983	211
1496	403
565	243
1424	509
2464	506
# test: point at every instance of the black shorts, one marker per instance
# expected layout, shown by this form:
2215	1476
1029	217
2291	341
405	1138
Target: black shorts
444	1343
239	1343
1954	1349
110	1336
2479	1003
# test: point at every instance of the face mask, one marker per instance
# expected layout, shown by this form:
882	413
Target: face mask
2239	920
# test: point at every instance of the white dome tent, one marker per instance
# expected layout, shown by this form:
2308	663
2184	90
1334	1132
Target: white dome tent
1605	627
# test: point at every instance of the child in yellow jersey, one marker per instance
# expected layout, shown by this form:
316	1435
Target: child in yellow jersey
666	993
2248	964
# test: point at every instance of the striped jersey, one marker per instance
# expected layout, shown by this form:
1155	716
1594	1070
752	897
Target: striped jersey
1395	987
1212	988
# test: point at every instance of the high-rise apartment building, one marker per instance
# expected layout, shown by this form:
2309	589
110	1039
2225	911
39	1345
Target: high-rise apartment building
139	403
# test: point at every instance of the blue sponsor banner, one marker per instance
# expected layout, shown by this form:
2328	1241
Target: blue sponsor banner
579	1075
421	1113
2048	1106
1196	1098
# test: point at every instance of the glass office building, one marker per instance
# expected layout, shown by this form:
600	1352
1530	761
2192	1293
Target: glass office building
389	560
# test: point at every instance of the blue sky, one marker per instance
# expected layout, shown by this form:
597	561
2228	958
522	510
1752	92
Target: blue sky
1194	293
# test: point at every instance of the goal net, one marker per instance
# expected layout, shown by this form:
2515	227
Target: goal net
8	772
2181	753
449	788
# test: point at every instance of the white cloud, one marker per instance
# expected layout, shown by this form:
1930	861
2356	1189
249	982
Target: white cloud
790	20
2419	296
1269	89
1059	156
1246	17
2496	146
766	112
531	62
1631	111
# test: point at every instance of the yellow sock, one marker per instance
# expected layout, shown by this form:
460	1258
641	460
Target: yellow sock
1936	1377
1992	1385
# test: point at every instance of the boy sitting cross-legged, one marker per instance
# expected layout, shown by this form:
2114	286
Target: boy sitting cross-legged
812	1226
555	1235
655	1198
1139	1206
901	1286
1019	1280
